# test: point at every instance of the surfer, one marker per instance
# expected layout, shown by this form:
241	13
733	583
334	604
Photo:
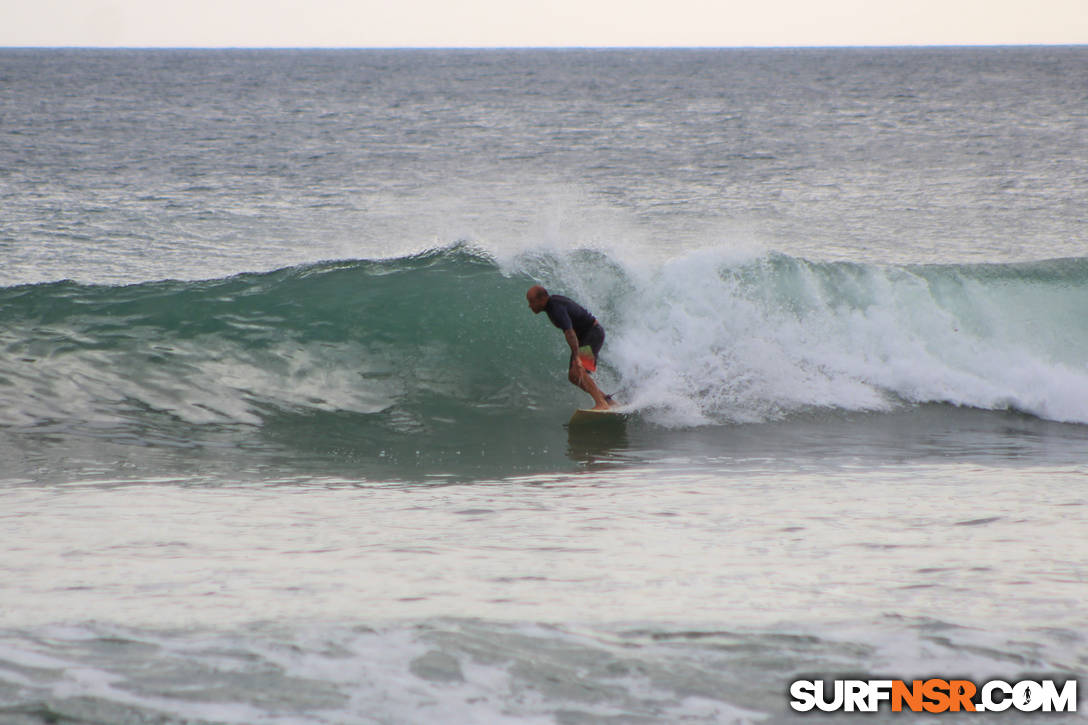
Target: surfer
584	335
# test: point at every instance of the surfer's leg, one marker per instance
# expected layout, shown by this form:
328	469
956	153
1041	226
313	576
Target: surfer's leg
596	341
600	402
578	376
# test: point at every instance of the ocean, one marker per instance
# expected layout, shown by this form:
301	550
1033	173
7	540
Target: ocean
281	441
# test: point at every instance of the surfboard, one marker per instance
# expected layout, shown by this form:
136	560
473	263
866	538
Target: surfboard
588	416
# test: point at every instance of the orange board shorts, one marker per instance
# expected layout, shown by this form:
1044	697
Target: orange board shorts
590	347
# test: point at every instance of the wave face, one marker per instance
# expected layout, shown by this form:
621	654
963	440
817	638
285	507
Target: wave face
436	355
410	361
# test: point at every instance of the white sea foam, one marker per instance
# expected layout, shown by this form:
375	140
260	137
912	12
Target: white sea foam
718	335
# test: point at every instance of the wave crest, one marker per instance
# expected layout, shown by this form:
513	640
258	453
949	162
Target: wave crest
441	343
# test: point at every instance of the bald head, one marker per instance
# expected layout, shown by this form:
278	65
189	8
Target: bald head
537	297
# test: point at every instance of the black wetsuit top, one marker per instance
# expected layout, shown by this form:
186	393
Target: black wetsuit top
566	314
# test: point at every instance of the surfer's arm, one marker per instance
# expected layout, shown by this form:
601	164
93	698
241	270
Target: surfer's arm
572	340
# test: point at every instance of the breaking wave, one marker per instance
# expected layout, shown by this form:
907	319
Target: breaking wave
441	344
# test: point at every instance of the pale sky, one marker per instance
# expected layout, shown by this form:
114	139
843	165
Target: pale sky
508	23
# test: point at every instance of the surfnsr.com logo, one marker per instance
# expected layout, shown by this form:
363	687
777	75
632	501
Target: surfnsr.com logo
933	695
